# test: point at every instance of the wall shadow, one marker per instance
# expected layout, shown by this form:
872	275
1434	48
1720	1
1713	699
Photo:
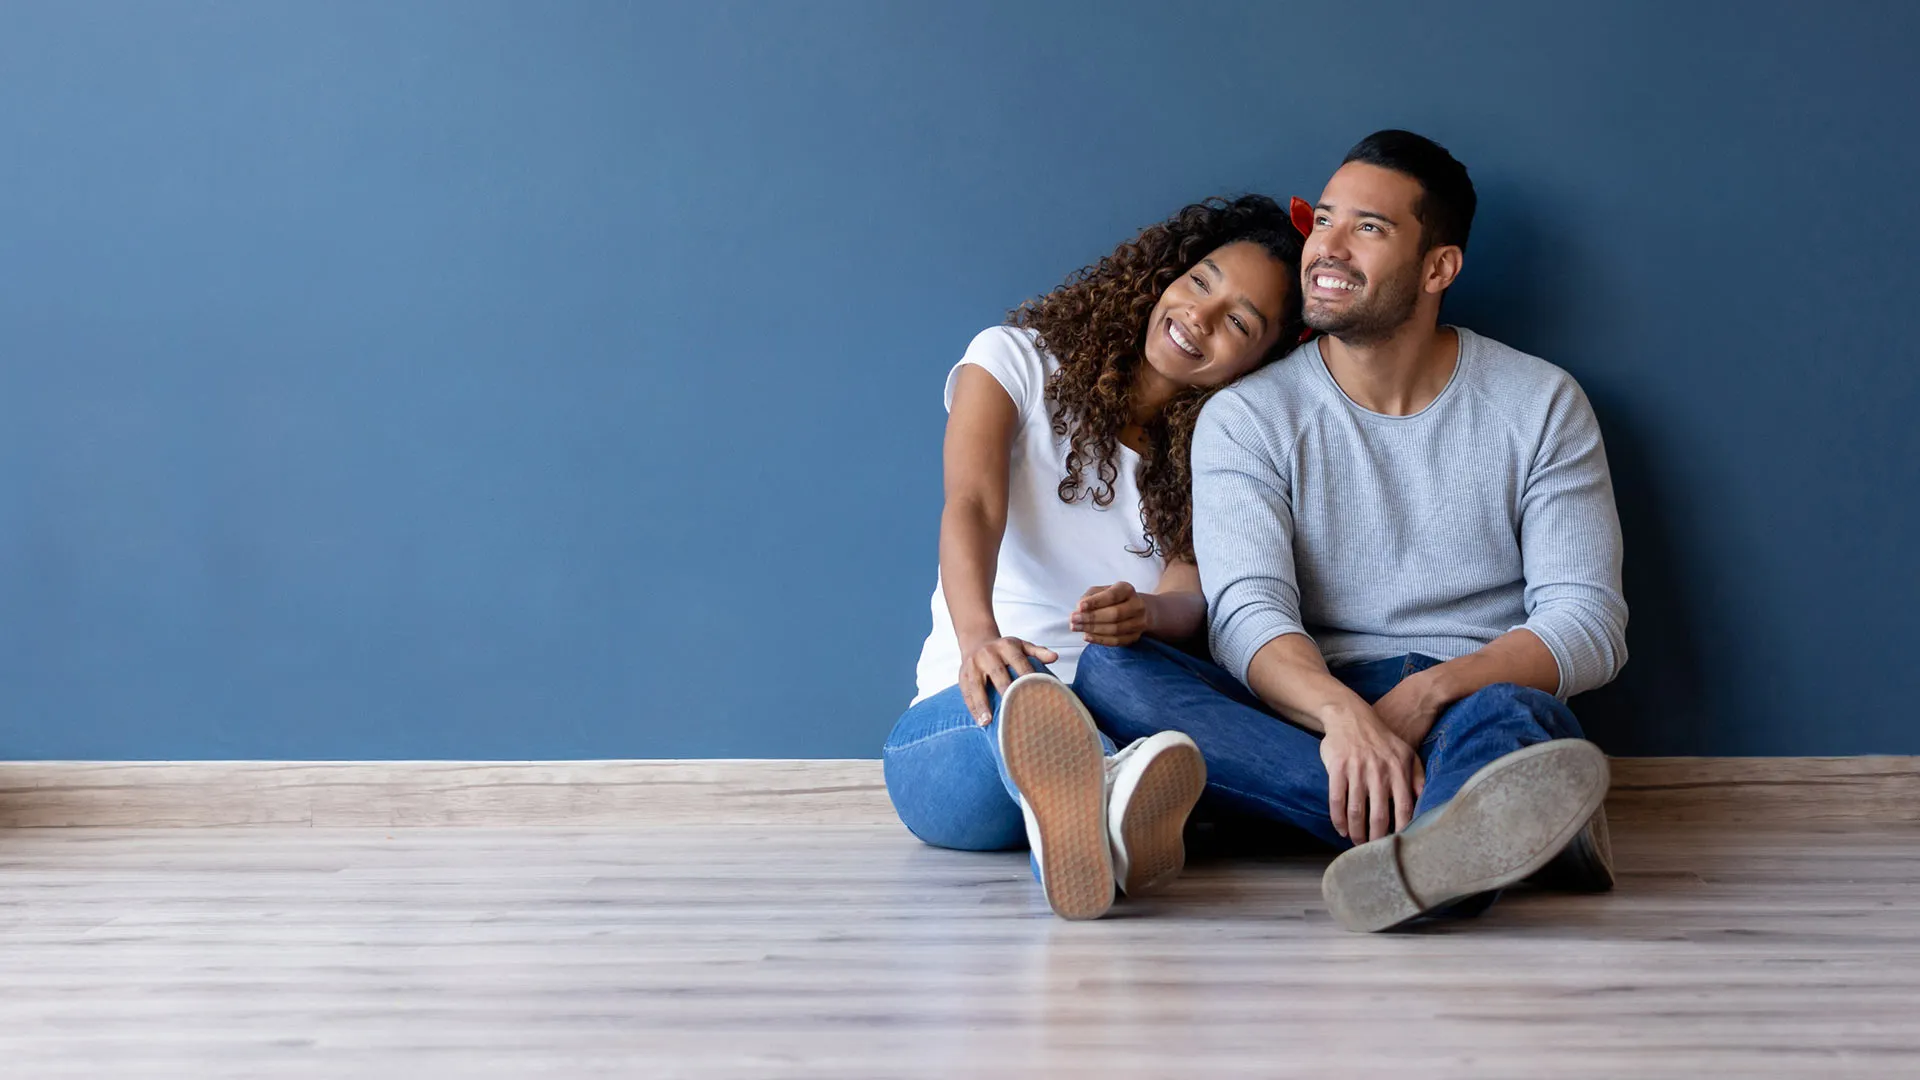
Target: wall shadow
1541	297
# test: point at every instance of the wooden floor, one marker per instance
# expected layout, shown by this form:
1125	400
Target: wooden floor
854	952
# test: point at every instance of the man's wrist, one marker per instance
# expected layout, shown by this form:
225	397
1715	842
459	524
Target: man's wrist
1343	716
1442	685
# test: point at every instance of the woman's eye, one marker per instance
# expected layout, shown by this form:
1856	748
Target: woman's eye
1321	220
1238	325
1199	283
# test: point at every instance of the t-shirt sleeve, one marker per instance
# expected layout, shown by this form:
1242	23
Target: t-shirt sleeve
1571	550
1010	357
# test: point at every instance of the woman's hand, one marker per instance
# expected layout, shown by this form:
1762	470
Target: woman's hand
988	663
1112	614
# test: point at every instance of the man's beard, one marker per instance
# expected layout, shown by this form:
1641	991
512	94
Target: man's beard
1373	319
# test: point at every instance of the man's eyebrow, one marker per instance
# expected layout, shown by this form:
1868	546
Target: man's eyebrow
1375	214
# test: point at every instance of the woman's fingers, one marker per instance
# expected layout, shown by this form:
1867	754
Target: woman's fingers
973	690
1137	625
1013	654
1040	652
1100	618
1103	596
1126	619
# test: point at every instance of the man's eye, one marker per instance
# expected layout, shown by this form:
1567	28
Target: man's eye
1199	282
1371	225
1238	325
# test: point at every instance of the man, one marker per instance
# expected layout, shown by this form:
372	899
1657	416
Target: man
1407	539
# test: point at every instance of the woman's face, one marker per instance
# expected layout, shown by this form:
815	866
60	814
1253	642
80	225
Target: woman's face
1219	319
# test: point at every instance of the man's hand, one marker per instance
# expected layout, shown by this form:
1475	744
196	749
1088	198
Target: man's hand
1373	777
988	662
1111	615
1411	707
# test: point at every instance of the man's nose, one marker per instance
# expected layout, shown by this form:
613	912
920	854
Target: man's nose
1328	247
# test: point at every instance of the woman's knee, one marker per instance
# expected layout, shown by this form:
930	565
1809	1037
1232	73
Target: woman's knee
949	793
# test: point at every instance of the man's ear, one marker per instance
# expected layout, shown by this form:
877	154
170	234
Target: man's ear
1443	265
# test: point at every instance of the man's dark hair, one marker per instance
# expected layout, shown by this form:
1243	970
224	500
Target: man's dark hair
1445	206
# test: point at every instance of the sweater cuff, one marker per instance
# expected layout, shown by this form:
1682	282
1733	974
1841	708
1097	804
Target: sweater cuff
1234	645
1562	657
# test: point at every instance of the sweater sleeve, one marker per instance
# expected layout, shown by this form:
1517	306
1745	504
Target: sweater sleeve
1570	547
1242	535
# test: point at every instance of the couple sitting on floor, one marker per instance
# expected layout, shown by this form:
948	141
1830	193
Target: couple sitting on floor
1397	543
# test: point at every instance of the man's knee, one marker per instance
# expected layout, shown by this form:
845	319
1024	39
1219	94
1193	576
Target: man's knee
1507	702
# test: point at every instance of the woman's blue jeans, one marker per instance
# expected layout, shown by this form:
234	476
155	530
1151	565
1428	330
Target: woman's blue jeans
946	777
949	785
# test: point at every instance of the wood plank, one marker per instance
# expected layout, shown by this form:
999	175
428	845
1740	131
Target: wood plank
1749	790
852	952
390	794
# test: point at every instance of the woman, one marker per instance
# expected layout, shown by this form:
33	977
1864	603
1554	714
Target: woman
1067	522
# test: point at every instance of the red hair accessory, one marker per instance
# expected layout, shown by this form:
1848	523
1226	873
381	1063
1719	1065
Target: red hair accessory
1301	211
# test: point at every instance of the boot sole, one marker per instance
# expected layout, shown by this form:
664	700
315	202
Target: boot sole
1152	830
1509	819
1054	755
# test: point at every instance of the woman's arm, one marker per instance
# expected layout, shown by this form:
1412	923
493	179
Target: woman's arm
978	454
1177	610
1118	615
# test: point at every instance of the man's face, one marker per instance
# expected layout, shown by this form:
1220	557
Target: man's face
1363	267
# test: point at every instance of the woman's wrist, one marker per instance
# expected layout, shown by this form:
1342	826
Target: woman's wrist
1156	614
973	636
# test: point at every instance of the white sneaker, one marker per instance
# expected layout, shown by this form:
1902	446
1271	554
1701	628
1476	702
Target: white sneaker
1055	757
1152	786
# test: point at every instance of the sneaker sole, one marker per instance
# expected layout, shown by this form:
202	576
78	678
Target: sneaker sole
1054	755
1152	831
1509	820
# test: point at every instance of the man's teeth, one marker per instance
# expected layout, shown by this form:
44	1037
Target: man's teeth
1335	283
1180	339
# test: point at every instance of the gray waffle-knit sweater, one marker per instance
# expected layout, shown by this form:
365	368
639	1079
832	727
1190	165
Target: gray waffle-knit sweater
1434	533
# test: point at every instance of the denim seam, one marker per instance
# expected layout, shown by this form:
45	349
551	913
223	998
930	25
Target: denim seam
891	748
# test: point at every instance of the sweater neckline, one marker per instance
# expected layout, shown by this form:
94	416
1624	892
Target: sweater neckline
1465	338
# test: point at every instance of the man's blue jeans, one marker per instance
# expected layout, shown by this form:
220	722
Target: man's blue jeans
946	777
1262	766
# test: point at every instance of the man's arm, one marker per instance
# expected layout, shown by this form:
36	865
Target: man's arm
1574	638
1374	777
1243	536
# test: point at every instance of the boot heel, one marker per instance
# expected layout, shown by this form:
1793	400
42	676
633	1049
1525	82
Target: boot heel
1365	889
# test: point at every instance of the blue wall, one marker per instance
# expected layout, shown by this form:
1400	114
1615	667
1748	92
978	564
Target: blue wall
491	380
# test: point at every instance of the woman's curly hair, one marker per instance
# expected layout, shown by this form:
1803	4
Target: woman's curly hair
1095	324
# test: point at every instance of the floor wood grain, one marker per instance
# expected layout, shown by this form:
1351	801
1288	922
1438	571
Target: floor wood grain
399	794
853	951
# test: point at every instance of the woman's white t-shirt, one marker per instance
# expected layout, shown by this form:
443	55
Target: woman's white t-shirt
1052	551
